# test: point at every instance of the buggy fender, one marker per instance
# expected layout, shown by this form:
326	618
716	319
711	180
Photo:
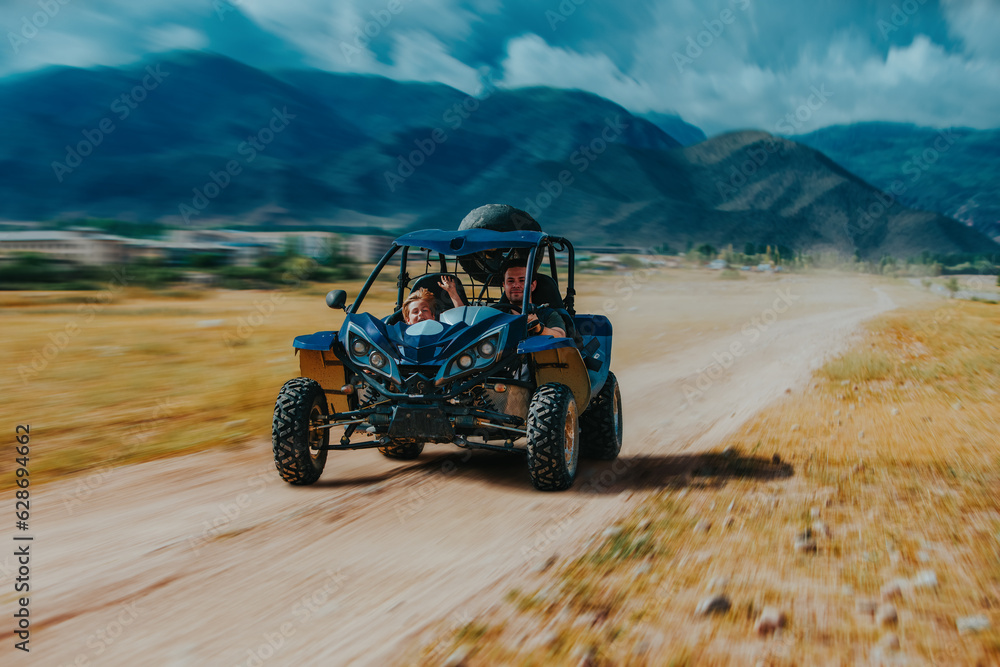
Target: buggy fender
318	362
558	360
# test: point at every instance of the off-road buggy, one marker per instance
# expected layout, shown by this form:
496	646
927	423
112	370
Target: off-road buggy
474	377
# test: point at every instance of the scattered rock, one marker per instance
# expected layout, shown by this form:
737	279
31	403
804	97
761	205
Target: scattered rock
890	642
770	620
703	526
860	467
925	579
643	568
457	659
892	590
718	584
865	607
886	615
844	383
861	434
977	623
612	531
731	506
643	525
836	413
795	427
855	387
805	544
714	604
814	512
821	528
895	411
545	564
957	405
728	521
923	557
776	460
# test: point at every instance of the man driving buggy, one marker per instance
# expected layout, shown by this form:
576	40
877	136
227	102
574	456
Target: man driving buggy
551	323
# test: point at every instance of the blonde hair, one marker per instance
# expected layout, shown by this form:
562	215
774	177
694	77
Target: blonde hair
423	294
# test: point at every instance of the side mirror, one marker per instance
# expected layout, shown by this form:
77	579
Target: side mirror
336	299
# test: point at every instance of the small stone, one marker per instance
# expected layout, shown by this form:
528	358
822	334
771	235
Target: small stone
821	528
776	460
860	467
890	642
611	532
457	659
836	413
703	526
861	434
892	591
714	604
795	427
805	544
844	383
923	557
643	568
886	615
977	623
895	411
957	405
925	579
731	506
865	607
728	521
545	564
718	584
770	620
643	525
814	512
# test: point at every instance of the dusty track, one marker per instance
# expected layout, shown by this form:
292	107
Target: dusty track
211	559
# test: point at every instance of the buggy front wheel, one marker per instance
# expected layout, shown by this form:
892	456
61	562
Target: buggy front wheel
296	438
553	437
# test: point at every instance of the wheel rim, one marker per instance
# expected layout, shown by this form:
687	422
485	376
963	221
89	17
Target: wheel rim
317	436
616	414
569	448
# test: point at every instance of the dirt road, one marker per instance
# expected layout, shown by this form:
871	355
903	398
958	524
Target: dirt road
211	559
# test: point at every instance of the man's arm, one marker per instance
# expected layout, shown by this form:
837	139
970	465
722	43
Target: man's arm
547	328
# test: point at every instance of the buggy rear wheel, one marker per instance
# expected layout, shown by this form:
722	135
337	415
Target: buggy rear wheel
297	442
553	437
601	423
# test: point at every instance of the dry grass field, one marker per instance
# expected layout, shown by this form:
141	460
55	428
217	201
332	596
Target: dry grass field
123	376
862	517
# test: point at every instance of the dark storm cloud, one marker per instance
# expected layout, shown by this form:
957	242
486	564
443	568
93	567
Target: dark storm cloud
722	64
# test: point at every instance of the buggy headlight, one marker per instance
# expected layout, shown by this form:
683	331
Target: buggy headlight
482	354
377	360
360	347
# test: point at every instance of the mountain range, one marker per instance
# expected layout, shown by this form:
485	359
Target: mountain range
200	139
954	171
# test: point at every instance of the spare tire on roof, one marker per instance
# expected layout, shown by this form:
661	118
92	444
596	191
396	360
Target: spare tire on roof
486	266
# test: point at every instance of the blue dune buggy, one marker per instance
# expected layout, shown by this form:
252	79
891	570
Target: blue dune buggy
475	377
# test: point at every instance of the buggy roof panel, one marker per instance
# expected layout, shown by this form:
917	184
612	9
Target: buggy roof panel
469	241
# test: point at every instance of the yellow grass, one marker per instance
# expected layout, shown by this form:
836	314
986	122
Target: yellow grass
893	447
127	376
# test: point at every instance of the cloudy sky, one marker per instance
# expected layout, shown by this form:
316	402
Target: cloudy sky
780	65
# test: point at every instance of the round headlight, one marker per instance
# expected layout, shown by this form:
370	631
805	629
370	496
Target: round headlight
486	348
359	347
377	359
465	361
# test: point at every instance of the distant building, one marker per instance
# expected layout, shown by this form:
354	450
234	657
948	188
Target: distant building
366	247
76	246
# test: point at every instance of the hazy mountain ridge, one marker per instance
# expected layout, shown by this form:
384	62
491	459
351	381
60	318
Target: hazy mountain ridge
216	141
954	171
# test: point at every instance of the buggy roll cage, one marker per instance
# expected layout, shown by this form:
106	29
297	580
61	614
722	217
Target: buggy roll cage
469	242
